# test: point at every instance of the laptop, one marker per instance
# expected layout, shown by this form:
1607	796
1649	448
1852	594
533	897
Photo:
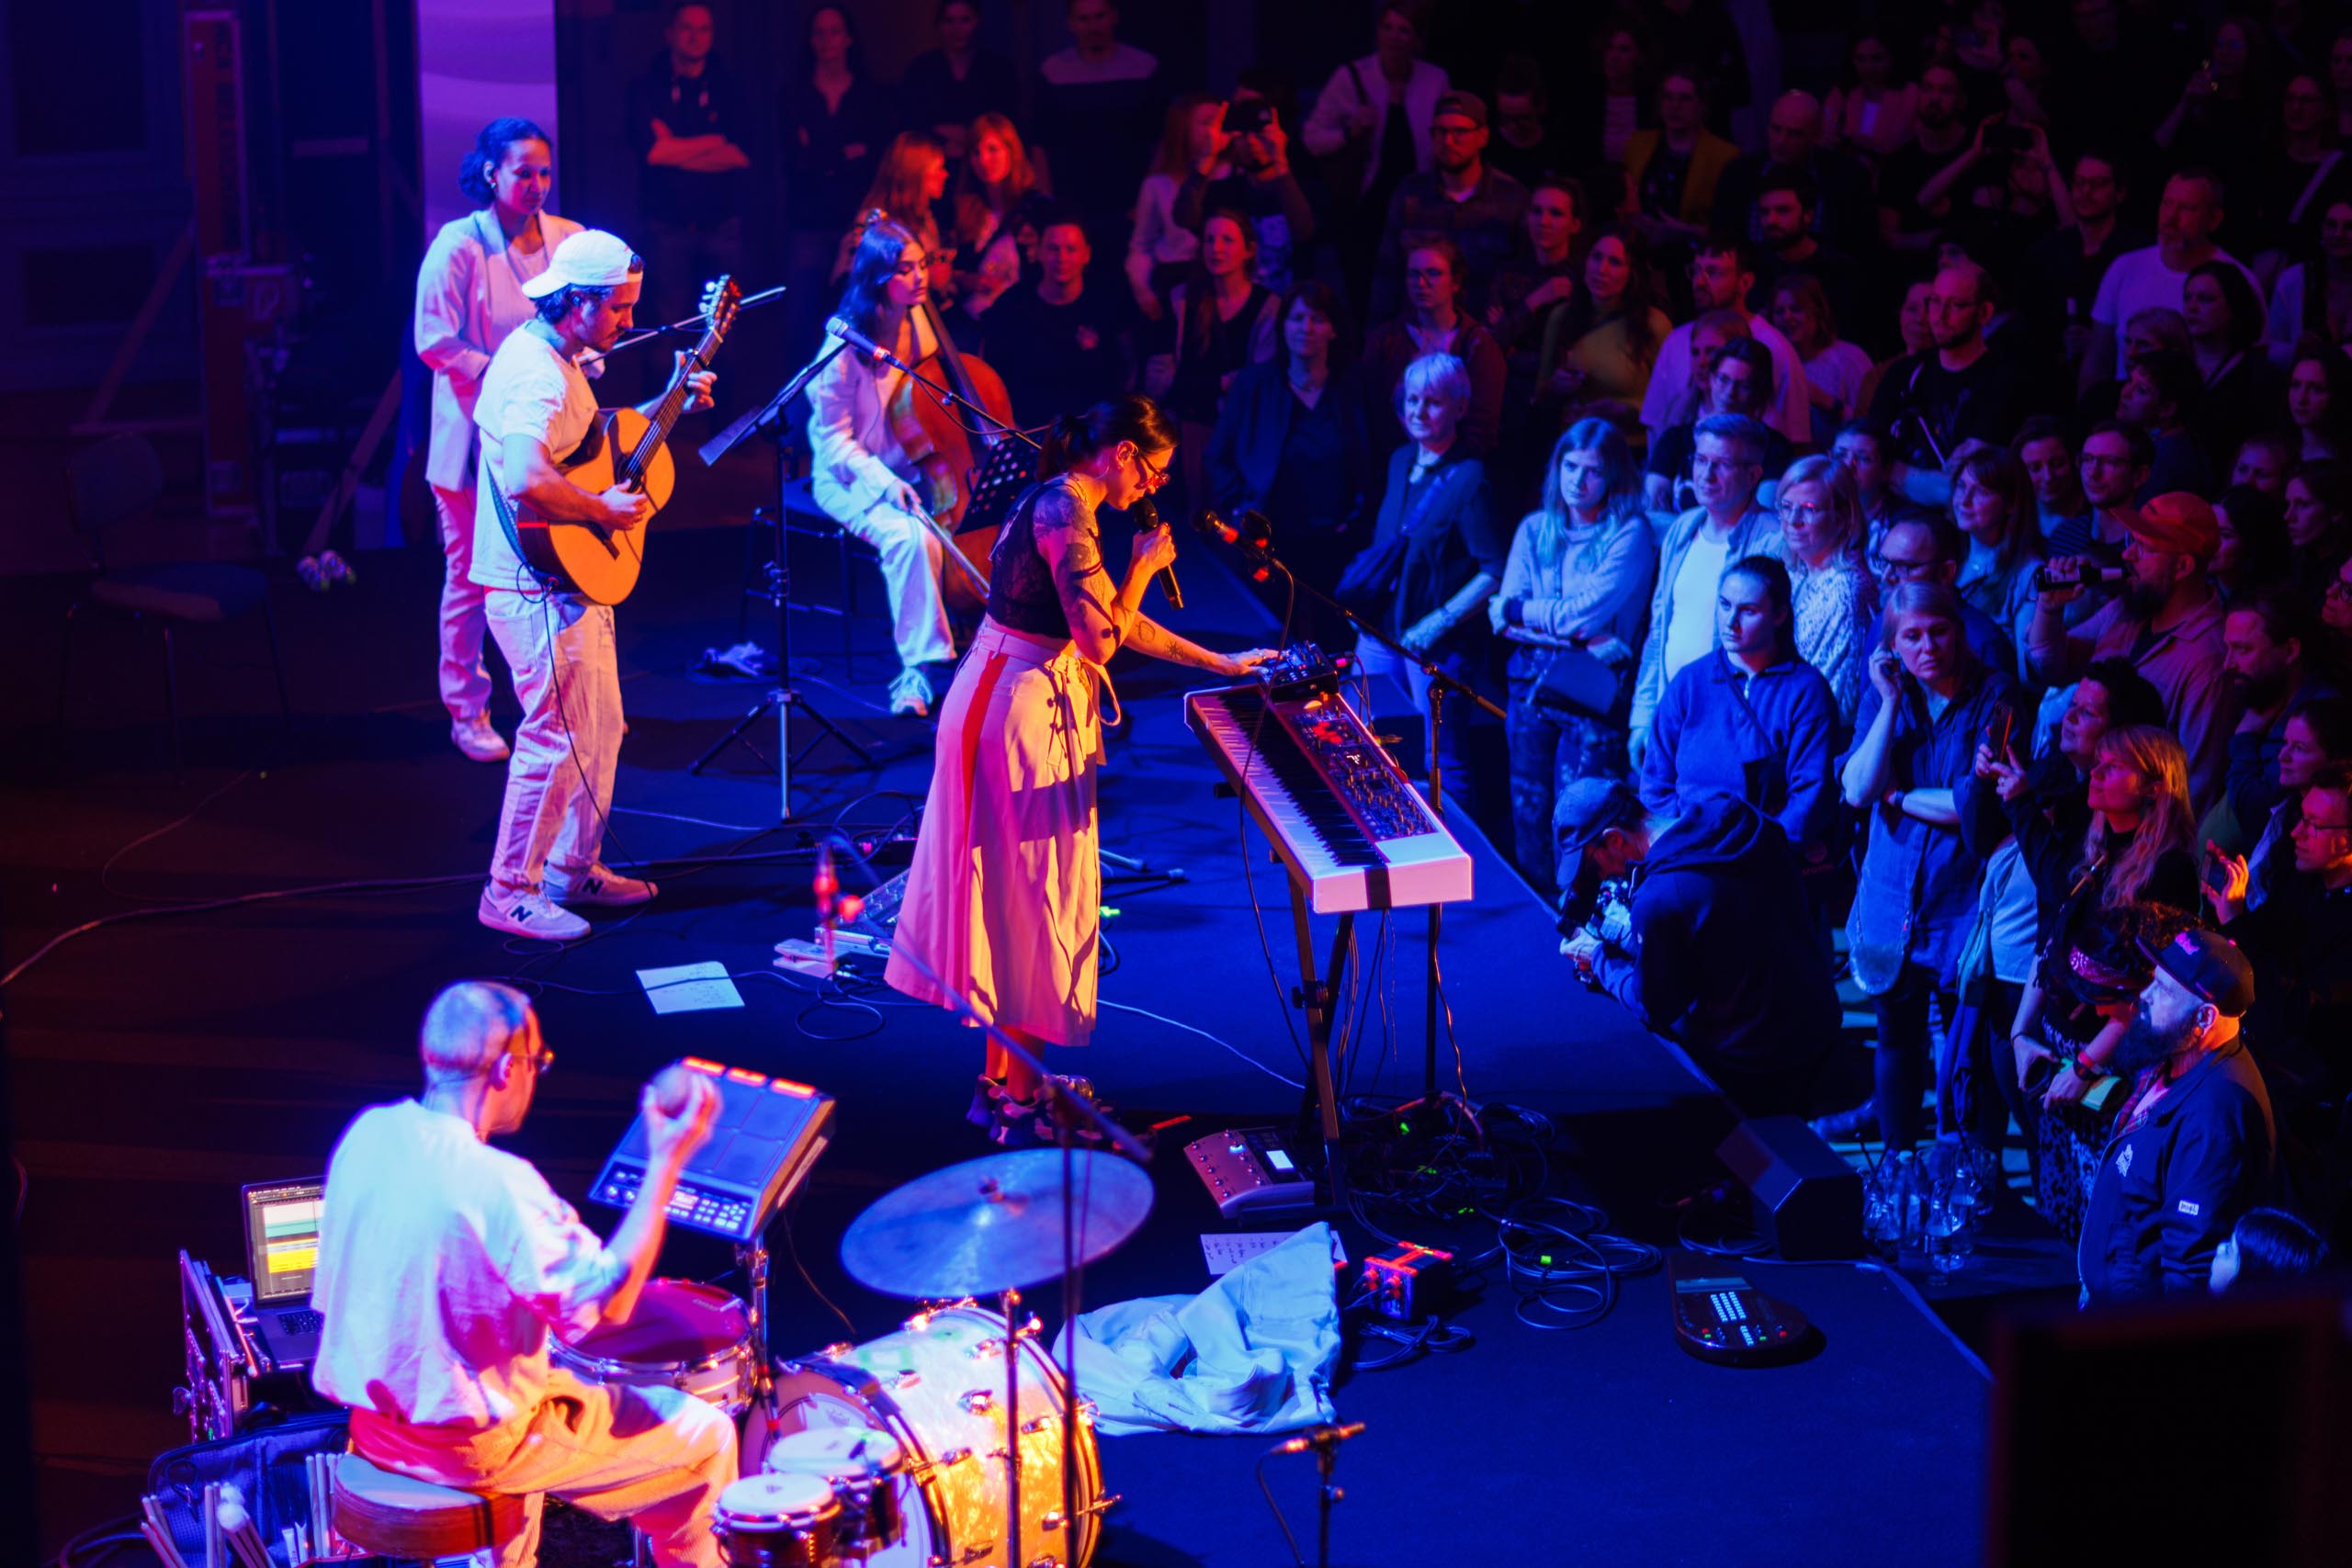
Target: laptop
281	1257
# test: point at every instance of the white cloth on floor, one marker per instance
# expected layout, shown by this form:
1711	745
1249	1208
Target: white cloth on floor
1252	1353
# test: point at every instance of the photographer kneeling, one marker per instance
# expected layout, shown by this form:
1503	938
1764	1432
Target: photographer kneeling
1717	953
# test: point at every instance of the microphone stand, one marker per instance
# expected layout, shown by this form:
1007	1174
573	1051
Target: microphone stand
1441	685
1071	1114
782	698
693	323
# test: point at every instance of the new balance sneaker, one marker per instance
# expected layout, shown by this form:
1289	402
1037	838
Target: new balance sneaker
600	883
910	695
478	740
335	568
529	914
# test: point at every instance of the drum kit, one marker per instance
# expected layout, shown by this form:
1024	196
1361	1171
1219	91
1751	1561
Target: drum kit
954	1441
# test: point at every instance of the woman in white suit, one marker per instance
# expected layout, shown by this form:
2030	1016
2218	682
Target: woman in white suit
862	472
469	297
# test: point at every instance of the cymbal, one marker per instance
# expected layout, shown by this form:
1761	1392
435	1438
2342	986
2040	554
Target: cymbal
993	1223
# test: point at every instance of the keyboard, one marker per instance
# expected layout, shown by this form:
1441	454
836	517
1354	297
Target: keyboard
1336	806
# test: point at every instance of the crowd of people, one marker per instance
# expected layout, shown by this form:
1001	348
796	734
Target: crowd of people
1920	533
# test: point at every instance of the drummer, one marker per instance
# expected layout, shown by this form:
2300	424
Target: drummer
444	1266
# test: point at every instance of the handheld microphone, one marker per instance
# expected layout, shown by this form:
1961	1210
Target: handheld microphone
835	327
1320	1436
1147	517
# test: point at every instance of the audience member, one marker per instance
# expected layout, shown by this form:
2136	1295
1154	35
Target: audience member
909	182
1937	134
689	124
2115	461
1927	546
1525	144
1613	103
1739	377
1834	369
1541	274
1749	720
1600	347
1914	333
2267	646
1293	444
2239	390
2263	462
1372	119
1224	318
1259	184
1437	520
2254	553
1723	959
1838	203
1575	586
1833	596
1963	390
836	122
2059	503
946	88
1460	198
1783	227
1870	111
1436	320
2185	221
2158	394
2319	519
2268	1247
2167	620
2060	280
1727	466
2313	295
1159	249
1060	345
1915	900
1099	104
1722	274
1672	172
2319	403
2195	1146
2314	739
1992	502
1863	449
996	208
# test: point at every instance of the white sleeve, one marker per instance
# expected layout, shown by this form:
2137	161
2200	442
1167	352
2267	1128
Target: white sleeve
557	1266
1327	126
833	437
525	397
443	284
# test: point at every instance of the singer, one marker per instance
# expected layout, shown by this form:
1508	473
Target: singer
869	470
1005	898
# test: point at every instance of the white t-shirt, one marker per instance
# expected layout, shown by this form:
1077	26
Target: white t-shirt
2139	280
443	1266
531	389
1692	630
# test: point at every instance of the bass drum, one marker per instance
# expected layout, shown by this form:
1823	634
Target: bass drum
935	1390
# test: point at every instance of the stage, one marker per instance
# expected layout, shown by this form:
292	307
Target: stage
158	1064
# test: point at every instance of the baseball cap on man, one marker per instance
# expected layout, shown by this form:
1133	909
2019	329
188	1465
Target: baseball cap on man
2209	967
1469	106
1590	807
2179	521
592	258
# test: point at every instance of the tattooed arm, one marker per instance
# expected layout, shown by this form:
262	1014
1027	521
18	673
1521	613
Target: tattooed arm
1104	618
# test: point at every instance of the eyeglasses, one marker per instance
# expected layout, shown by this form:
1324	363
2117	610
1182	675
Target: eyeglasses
1809	511
542	1060
2339	589
1153	476
2305	822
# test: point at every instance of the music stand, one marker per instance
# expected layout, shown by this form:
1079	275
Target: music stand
768	419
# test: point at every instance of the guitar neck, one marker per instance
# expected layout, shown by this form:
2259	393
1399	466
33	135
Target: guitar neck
664	417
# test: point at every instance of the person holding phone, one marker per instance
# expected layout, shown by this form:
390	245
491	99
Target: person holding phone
1916	902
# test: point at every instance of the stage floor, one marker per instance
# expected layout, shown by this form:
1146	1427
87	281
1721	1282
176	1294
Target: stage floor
157	1065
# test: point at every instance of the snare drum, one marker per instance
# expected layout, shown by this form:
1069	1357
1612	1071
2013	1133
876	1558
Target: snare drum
776	1521
935	1393
683	1336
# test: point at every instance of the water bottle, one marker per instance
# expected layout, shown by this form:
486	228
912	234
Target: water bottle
1946	1219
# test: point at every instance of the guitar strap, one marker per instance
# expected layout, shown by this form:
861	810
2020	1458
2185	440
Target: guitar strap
505	510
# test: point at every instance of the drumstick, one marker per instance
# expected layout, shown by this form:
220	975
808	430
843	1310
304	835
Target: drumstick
170	1546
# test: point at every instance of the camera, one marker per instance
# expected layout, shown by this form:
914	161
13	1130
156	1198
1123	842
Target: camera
1607	916
1248	117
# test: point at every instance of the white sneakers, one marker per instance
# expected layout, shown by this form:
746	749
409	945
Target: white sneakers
600	883
529	914
910	695
542	914
478	740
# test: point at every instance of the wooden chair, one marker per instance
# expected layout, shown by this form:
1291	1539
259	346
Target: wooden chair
108	484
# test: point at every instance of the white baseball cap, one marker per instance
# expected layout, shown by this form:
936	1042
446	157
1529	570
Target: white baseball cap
592	258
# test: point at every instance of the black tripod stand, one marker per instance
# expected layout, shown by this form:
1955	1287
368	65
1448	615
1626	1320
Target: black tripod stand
782	699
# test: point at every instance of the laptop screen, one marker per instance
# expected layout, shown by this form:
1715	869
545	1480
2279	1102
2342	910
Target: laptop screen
282	1236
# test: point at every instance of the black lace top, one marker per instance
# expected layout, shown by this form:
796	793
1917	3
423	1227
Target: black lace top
1022	595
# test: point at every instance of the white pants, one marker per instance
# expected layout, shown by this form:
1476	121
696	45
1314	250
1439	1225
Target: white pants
465	681
657	1456
559	780
911	563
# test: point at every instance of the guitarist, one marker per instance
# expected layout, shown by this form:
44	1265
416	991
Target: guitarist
535	407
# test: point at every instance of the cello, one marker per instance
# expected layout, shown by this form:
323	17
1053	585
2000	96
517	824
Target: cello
975	471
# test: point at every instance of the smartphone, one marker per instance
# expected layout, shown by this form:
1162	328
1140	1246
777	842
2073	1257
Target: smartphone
2008	139
1997	737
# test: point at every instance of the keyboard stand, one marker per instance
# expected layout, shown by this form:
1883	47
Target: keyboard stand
1319	1111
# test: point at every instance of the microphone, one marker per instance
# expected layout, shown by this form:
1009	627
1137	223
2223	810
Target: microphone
835	327
824	885
1249	547
1147	517
1320	1438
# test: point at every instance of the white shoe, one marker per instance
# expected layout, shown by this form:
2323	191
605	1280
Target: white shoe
529	914
910	695
600	883
478	740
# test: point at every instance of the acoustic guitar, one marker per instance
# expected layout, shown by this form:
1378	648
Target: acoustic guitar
622	447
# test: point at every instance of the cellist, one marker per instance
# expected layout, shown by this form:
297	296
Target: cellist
875	472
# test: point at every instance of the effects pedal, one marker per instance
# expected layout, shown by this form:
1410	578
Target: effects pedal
1405	1282
1251	1172
1720	1317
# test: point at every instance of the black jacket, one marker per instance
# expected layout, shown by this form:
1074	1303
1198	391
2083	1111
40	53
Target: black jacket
1724	960
2173	1181
2299	941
